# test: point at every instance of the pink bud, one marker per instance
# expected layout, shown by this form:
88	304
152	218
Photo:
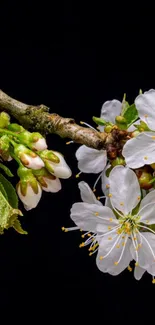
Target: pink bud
32	162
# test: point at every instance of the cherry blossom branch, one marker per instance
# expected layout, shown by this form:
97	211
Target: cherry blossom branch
39	119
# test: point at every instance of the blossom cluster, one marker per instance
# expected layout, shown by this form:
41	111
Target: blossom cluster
121	231
38	168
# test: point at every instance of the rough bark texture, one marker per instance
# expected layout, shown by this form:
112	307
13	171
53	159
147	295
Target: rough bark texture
39	119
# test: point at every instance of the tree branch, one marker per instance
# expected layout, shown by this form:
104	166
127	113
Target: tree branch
39	119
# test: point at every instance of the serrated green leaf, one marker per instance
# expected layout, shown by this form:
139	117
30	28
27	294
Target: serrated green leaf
6	211
99	121
17	226
6	170
130	114
10	191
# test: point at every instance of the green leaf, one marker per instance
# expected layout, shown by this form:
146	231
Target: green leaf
99	121
2	189
6	211
17	226
130	114
125	106
10	191
6	170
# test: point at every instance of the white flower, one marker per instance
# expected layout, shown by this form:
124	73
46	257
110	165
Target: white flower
91	160
53	185
40	144
120	239
61	169
31	198
140	151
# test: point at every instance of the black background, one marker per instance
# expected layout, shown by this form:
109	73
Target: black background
72	57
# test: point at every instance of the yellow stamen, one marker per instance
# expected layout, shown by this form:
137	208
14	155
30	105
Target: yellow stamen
82	236
81	230
145	157
153	137
116	263
77	175
94	190
136	264
101	258
129	268
109	228
109	238
98	198
107	185
110	195
123	237
117	246
110	219
121	203
123	244
63	228
90	254
140	245
89	235
96	213
138	197
147	221
81	245
145	115
153	281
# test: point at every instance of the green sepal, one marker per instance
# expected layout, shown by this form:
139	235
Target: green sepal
6	170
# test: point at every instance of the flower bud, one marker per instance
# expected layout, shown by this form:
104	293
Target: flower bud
118	161
120	119
144	177
28	189
48	182
14	127
108	128
4	120
4	148
57	165
28	157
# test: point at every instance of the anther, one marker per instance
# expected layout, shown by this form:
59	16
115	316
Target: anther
129	268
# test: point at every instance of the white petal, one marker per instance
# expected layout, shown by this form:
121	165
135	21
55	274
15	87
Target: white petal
30	200
61	169
124	188
138	272
140	151
110	110
53	185
151	269
91	160
145	104
107	264
147	208
87	194
93	217
40	144
34	163
146	257
105	181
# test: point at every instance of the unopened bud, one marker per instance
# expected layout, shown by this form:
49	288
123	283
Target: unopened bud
118	161
108	128
28	157
4	120
50	155
120	119
144	178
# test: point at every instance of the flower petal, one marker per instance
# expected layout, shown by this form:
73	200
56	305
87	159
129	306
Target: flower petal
147	209
124	189
140	150
145	104
138	272
109	263
146	251
40	144
87	194
110	110
92	217
34	163
91	160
